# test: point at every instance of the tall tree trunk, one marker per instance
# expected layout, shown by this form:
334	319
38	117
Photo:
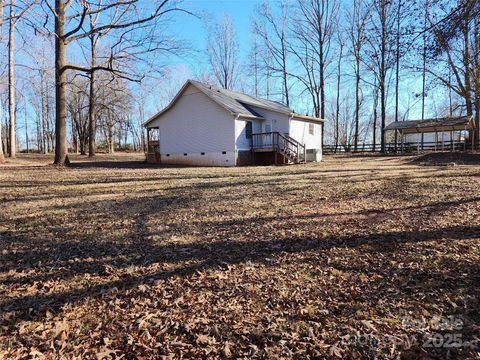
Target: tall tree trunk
285	79
397	68
61	149
337	110
467	74
38	128
476	74
424	56
2	156
375	115
424	69
357	100
255	66
322	84
466	64
26	125
91	100
383	74
74	130
11	81
44	104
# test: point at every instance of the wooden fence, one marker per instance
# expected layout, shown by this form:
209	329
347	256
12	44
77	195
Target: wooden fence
390	148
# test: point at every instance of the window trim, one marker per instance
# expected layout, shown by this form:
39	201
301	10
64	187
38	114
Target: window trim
311	129
248	132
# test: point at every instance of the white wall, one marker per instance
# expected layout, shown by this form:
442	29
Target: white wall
279	121
241	141
299	131
430	137
195	125
197	159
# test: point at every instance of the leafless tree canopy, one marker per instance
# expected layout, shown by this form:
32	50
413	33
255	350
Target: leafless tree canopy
223	52
358	64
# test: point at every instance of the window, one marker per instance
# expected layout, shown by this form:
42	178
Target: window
311	129
248	130
268	127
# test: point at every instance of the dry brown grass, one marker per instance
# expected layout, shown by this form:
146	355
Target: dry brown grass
340	259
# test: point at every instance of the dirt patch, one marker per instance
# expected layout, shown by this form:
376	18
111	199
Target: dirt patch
448	158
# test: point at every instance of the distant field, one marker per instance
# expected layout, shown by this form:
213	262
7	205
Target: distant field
355	257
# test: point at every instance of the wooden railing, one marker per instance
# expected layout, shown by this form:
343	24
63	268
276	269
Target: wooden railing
287	146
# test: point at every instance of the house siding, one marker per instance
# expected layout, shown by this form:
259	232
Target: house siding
198	127
241	141
299	130
278	120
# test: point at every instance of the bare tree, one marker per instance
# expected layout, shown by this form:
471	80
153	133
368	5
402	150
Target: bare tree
13	19
2	156
114	103
77	104
121	15
255	64
358	18
339	75
397	64
455	38
375	114
271	28
223	52
11	81
381	54
313	31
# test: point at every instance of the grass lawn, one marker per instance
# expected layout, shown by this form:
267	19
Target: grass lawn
355	257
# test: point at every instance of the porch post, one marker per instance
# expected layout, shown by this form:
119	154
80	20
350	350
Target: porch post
443	142
464	139
396	141
403	140
473	140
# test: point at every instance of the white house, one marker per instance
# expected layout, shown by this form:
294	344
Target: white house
210	126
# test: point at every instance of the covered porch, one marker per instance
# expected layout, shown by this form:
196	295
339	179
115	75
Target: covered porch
153	145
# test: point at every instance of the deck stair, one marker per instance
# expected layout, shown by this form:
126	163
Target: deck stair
286	149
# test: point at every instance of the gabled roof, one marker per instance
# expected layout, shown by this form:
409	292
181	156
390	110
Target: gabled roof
236	103
432	125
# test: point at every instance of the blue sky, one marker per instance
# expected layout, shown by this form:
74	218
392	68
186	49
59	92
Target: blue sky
239	10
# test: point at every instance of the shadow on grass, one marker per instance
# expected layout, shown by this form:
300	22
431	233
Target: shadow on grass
446	158
132	164
66	253
191	258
